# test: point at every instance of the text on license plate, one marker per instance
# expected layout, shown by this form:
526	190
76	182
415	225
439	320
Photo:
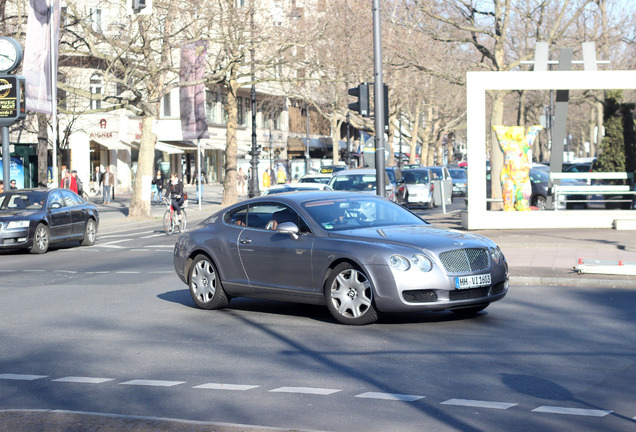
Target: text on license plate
472	281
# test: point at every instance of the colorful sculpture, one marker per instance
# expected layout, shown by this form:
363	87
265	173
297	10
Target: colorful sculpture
515	174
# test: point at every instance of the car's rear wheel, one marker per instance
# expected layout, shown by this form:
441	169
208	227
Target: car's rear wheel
41	239
205	285
350	296
90	233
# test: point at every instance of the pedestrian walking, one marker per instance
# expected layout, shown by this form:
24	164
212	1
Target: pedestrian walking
157	188
74	186
107	181
242	182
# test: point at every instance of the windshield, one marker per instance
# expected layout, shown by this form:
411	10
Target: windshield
458	173
353	182
22	200
538	176
416	177
359	212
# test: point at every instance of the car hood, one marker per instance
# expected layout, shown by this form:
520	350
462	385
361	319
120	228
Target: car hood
12	214
417	236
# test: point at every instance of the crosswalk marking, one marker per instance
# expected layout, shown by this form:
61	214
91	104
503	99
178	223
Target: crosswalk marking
478	403
83	380
235	387
390	396
572	411
21	377
152	383
305	390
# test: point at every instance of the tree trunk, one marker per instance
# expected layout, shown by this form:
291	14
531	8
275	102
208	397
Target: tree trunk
43	150
230	192
140	201
416	127
335	138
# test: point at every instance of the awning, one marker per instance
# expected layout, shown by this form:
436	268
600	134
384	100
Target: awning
167	148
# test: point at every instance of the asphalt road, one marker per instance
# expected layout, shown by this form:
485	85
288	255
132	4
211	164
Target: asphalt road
111	329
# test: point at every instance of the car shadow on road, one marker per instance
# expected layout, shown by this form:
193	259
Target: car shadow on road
318	312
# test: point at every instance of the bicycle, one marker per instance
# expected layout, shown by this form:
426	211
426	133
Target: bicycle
170	219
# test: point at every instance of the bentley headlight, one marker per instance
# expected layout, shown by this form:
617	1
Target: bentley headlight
422	262
496	255
18	224
398	262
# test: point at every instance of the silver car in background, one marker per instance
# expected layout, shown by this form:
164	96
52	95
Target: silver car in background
358	254
420	187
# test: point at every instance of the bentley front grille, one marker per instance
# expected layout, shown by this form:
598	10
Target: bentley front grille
464	260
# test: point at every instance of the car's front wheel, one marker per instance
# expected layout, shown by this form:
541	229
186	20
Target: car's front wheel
350	296
205	284
540	202
41	239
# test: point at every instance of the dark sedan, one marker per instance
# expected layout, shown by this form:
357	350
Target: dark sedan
35	218
357	253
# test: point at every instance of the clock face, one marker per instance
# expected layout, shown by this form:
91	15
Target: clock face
10	54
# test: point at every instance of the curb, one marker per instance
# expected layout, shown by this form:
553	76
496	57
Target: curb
575	281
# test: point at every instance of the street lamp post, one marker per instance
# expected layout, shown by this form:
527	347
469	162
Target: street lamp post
348	143
253	185
307	143
400	161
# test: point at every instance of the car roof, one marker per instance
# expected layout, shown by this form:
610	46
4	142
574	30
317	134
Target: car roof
302	196
356	171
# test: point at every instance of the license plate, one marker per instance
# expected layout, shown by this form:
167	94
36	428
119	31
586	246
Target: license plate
465	282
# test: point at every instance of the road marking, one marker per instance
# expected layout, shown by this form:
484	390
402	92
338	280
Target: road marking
572	411
123	235
478	403
64	271
236	387
152	383
154	235
305	390
83	380
33	271
390	396
21	377
112	246
97	272
161	246
139	250
127	272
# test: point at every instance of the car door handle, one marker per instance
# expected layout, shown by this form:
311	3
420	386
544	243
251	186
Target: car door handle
245	240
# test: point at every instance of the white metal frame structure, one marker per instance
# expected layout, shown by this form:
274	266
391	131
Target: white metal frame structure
477	83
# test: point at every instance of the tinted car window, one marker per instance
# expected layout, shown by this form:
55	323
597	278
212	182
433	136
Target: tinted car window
71	199
414	177
55	198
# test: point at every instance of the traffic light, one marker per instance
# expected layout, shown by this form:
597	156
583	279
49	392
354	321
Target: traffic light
138	4
362	93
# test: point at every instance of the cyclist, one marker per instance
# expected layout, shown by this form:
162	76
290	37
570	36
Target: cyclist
175	188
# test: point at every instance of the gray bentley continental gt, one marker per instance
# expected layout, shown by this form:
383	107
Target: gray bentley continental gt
357	253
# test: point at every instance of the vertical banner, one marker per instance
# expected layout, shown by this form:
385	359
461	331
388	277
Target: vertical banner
192	97
41	81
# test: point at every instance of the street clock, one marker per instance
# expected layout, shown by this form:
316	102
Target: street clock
10	54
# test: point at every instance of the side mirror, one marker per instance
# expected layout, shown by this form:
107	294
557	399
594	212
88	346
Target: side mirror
56	205
288	228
